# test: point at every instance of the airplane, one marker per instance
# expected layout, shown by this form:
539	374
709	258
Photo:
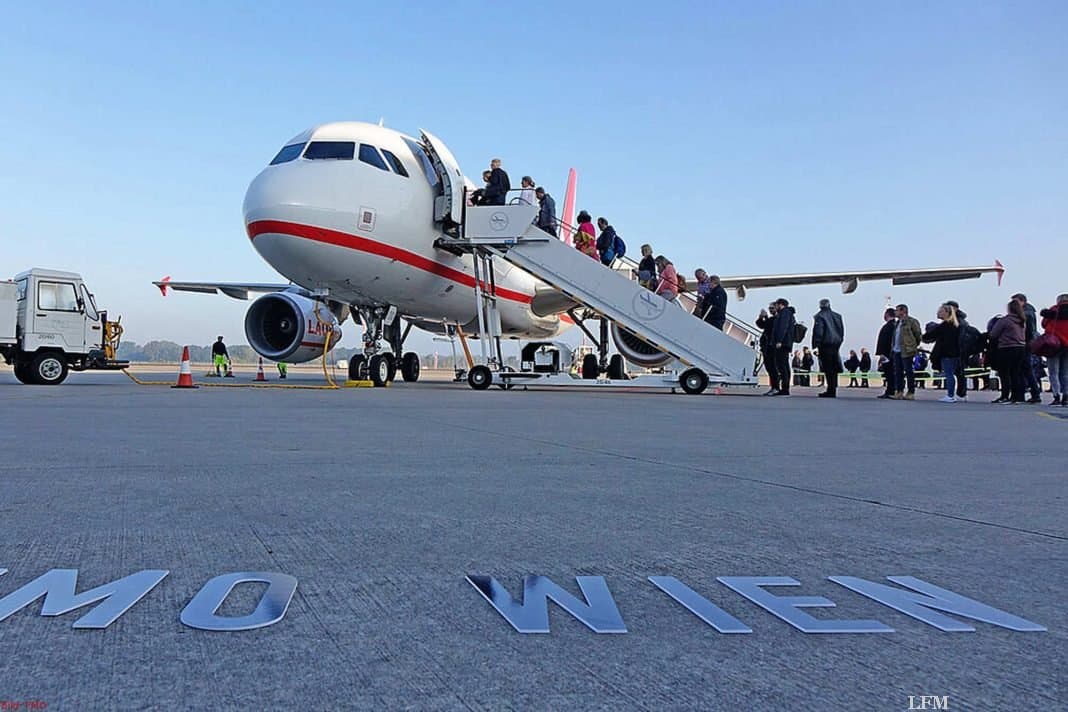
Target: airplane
353	213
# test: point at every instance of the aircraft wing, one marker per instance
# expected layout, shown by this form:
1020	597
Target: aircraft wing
850	280
230	289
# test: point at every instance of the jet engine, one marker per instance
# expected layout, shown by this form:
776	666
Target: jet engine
638	352
283	326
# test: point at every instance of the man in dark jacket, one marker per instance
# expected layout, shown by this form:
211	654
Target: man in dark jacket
883	349
1030	331
715	303
766	323
782	340
606	242
546	211
497	188
828	333
969	348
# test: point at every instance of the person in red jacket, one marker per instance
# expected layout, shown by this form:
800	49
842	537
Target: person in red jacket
1055	321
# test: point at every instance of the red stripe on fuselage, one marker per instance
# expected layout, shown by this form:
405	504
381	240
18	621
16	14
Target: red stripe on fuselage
363	244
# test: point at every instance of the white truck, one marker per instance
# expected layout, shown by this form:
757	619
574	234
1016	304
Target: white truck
50	325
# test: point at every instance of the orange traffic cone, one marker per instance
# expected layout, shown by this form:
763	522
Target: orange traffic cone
259	372
185	374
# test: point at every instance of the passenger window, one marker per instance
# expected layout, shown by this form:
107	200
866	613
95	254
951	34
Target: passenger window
398	167
371	156
330	150
288	153
56	296
423	160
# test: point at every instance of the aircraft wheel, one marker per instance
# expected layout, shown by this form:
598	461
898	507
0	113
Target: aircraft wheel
358	368
590	367
378	370
693	381
49	369
480	378
391	361
410	367
617	370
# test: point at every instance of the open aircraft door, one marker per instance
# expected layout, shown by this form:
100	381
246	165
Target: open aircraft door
450	203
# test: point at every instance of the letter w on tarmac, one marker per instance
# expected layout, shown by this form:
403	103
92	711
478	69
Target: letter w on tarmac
598	612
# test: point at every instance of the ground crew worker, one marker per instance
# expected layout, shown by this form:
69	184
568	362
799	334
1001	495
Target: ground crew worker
283	367
221	357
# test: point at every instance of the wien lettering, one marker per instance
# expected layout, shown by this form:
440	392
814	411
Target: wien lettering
596	608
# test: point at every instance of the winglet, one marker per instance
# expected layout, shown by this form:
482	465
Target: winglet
569	206
162	284
1000	269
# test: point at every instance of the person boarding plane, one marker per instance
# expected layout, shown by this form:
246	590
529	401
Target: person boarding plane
354	215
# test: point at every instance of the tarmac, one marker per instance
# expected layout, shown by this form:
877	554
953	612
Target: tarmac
380	502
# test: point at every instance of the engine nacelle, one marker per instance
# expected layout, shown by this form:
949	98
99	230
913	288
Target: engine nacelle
638	352
283	326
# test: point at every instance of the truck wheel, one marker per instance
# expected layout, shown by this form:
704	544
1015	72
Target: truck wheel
49	369
617	370
693	381
24	372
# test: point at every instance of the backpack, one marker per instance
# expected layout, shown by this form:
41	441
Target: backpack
619	247
799	332
969	341
681	282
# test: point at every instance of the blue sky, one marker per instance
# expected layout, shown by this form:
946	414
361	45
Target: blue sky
744	138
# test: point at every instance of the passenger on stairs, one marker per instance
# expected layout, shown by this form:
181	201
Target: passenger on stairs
586	236
647	268
547	212
498	185
479	196
668	284
526	196
715	304
703	288
606	242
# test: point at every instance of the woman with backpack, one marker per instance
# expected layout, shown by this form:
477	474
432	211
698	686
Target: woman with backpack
1009	335
1055	322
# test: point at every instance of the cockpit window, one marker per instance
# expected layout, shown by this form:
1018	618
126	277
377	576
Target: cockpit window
398	167
330	150
370	155
288	153
424	161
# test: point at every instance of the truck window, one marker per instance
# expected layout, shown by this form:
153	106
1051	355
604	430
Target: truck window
20	289
89	304
56	296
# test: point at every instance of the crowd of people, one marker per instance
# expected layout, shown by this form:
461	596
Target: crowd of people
1011	345
1016	346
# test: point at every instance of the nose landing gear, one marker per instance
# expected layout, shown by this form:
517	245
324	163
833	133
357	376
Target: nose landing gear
377	364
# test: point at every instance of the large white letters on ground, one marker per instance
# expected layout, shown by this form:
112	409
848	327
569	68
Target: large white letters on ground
919	605
200	612
700	606
57	586
599	613
787	607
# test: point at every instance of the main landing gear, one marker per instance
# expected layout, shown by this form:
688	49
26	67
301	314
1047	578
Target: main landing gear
376	364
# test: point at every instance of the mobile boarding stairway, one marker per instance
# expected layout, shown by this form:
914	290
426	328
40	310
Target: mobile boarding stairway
703	354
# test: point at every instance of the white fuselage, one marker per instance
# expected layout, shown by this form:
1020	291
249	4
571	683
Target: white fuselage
363	234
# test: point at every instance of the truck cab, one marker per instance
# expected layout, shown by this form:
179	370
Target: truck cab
50	324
